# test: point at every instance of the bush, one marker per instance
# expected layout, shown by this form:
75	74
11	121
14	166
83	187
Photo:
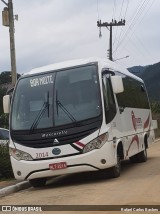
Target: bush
155	106
4	121
5	164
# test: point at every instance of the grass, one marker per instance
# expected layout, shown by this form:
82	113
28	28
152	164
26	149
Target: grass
157	117
6	179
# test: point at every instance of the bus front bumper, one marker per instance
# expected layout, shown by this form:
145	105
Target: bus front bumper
91	161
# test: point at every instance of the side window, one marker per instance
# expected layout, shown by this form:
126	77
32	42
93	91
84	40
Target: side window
109	102
134	95
122	98
144	97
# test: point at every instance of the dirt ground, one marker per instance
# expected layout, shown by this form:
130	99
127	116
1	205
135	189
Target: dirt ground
137	185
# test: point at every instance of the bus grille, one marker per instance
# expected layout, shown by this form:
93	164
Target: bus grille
67	139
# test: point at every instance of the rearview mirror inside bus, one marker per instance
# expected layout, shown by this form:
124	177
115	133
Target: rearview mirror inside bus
6	104
117	84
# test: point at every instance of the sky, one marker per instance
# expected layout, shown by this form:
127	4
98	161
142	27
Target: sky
50	31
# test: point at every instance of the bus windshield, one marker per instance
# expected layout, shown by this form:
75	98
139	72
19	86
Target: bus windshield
56	98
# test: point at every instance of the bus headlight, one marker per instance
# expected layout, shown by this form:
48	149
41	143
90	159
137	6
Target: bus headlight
96	143
20	155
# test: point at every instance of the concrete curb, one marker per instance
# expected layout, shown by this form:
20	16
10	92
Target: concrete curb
156	140
14	188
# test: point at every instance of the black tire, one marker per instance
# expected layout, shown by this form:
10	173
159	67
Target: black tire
115	171
134	159
142	156
38	182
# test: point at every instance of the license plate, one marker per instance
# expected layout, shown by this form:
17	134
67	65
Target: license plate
56	166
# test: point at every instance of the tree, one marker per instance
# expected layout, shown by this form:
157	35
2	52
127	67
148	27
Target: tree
2	93
155	106
5	77
4	119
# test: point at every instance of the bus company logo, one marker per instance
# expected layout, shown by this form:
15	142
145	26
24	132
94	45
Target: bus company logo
54	134
55	141
62	132
56	151
137	122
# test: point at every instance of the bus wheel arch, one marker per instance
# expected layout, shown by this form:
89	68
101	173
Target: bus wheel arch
120	150
115	171
146	141
141	156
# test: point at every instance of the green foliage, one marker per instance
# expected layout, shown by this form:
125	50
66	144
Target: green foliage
2	93
4	121
5	80
4	118
155	106
5	77
5	164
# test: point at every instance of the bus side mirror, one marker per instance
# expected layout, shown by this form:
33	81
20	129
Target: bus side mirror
117	84
6	104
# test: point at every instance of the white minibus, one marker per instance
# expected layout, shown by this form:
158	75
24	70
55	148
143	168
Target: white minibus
77	116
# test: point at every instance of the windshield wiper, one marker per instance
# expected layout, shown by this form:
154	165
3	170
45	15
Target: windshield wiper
40	114
59	104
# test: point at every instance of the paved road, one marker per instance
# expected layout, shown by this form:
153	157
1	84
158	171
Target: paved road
139	184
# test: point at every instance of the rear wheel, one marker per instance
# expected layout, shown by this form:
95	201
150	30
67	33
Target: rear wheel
133	159
38	182
142	156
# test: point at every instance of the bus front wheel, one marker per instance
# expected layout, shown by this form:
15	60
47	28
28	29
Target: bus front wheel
38	182
115	171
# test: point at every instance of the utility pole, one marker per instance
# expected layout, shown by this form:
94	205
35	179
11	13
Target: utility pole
8	21
111	25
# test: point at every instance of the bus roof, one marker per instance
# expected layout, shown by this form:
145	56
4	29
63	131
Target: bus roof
102	62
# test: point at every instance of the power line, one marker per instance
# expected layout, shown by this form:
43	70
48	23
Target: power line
153	1
114	10
133	23
136	47
115	38
121	9
98	9
125	14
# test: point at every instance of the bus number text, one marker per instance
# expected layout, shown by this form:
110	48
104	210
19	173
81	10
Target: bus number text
41	155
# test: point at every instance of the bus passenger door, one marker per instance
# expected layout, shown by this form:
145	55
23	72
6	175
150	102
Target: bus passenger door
109	103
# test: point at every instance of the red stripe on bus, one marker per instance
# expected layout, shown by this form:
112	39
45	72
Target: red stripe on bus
80	144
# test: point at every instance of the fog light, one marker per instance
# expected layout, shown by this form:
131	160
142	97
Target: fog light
19	173
103	161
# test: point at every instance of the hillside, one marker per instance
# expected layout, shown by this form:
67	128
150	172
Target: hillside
151	76
137	70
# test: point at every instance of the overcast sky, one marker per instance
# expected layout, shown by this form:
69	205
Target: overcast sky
50	31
